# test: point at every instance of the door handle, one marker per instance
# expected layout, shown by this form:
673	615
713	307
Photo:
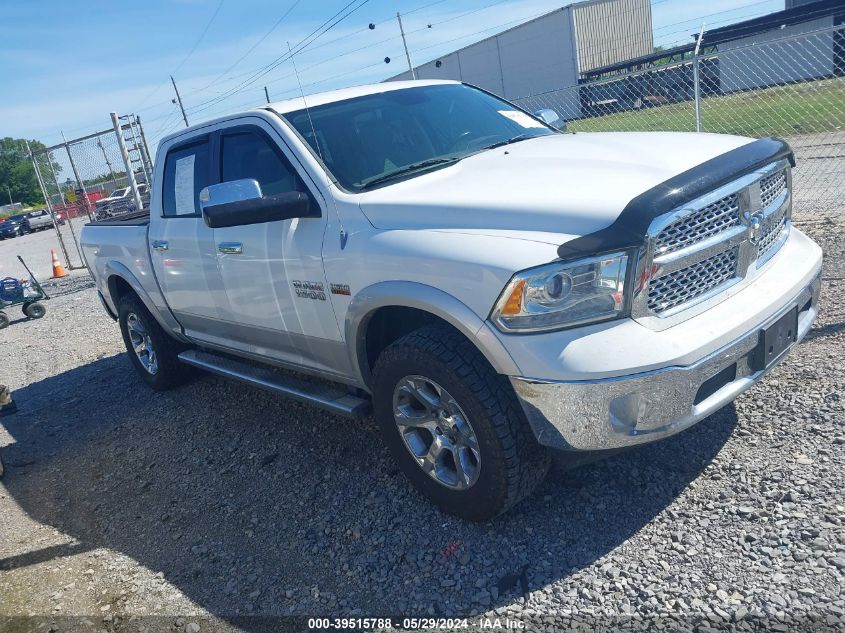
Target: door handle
230	248
160	245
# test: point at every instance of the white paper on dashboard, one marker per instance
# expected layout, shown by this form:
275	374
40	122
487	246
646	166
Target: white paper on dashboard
184	187
521	118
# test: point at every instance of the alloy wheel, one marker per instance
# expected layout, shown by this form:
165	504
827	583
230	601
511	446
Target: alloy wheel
436	432
142	344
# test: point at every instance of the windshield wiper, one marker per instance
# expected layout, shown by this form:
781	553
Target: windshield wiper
409	169
515	139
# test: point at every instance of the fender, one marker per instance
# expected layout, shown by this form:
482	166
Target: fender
410	294
164	317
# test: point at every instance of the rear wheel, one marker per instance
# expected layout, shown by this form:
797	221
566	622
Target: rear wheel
152	352
454	425
34	310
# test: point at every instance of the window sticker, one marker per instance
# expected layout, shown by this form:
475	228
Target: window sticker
184	185
521	118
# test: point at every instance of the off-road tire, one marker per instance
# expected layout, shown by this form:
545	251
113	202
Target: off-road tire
170	372
512	462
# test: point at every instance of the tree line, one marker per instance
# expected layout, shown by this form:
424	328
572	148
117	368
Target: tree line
17	177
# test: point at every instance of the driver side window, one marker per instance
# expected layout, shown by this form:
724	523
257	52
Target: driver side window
249	155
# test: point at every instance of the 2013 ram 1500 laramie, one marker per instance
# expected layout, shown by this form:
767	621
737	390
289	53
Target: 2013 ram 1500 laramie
491	287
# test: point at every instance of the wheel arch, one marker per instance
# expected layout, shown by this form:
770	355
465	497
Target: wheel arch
120	281
383	312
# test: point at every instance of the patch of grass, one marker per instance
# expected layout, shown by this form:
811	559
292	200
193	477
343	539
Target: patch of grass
804	108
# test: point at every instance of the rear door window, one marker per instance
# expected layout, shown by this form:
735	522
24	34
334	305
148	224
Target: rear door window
187	171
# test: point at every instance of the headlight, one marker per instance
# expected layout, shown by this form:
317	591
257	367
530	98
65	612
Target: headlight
563	294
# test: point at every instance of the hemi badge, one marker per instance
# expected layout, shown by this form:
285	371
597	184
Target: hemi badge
341	289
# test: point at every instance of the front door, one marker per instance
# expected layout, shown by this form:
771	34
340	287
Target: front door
275	293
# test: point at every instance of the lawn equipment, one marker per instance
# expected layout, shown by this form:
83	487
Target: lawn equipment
23	292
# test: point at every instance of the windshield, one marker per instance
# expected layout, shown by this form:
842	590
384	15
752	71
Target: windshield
367	140
118	193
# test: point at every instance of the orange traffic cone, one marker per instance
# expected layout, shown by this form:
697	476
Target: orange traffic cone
58	269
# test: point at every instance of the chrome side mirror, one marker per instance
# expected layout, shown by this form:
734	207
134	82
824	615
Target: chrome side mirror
231	191
550	117
240	203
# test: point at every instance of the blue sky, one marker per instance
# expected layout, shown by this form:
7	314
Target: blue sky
65	65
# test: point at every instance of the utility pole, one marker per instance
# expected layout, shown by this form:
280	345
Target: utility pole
405	43
9	191
266	94
179	100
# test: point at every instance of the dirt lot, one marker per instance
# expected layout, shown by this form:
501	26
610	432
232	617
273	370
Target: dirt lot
124	509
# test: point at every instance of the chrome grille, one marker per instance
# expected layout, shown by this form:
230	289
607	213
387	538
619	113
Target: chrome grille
699	225
674	289
719	241
771	231
771	187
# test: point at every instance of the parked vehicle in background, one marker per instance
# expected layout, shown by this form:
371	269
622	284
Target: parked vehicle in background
14	226
492	287
120	201
41	220
102	206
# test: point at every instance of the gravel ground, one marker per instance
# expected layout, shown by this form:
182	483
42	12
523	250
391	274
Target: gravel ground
124	509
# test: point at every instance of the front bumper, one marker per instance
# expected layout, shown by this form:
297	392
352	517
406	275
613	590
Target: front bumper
610	413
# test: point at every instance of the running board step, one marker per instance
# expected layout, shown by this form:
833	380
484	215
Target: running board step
329	398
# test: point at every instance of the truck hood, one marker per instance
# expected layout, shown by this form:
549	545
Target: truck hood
567	184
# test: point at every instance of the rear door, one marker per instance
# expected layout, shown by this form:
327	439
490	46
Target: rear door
182	246
275	295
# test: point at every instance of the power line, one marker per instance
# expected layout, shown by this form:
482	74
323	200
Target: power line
324	28
337	56
191	52
257	74
251	48
212	102
201	37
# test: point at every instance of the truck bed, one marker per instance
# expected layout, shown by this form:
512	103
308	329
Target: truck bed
140	218
116	243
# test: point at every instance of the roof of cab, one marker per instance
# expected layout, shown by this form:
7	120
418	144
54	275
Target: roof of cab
322	98
318	99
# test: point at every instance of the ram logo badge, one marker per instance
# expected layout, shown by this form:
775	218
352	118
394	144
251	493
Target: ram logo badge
755	225
341	289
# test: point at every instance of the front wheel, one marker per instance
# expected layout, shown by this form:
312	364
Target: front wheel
454	425
4	320
152	352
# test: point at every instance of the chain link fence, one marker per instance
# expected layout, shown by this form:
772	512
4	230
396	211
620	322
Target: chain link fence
95	177
791	87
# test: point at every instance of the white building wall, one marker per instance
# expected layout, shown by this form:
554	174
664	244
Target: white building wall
538	57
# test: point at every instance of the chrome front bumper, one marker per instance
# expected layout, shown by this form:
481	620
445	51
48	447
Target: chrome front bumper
617	412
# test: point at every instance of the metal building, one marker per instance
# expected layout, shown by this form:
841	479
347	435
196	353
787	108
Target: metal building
765	51
549	52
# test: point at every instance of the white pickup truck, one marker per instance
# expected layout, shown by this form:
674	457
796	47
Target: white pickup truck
491	287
